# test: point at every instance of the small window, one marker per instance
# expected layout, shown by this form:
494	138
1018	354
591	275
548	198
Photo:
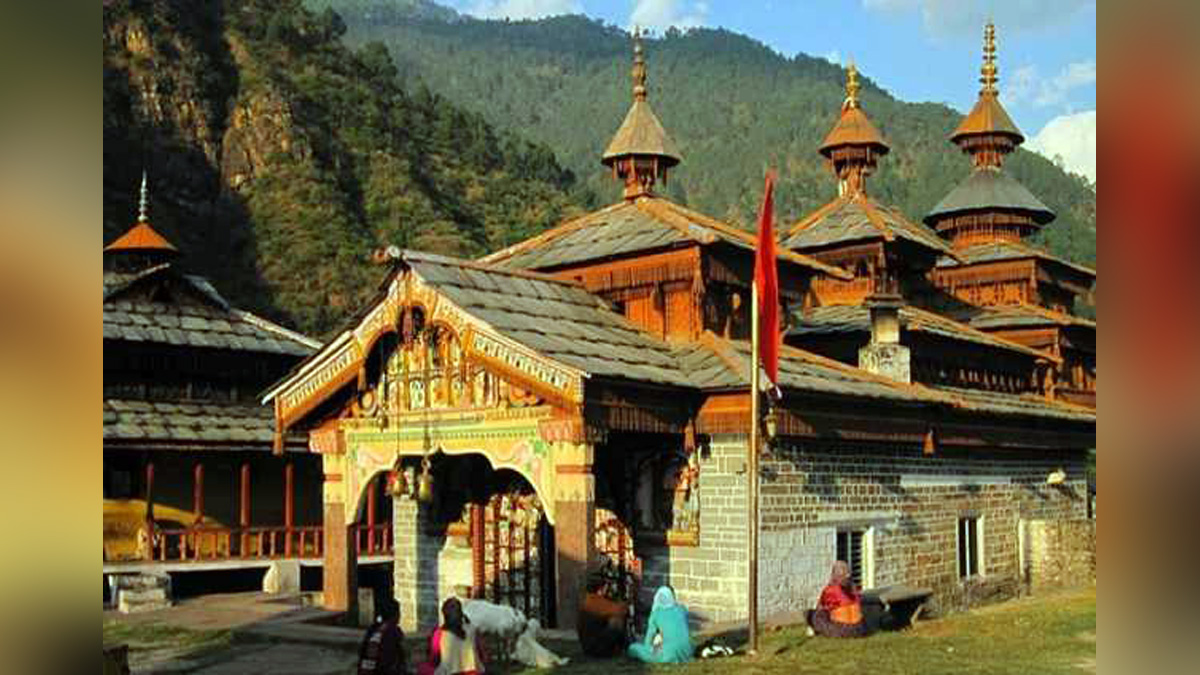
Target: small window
970	546
851	547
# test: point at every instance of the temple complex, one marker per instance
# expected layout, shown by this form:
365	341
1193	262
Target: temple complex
581	401
190	482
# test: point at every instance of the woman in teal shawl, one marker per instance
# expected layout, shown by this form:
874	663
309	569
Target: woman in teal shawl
669	619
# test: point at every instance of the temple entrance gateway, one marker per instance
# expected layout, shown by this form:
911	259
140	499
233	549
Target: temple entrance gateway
515	557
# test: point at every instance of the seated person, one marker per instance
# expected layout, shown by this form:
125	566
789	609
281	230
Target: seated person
601	625
670	620
839	611
454	646
382	651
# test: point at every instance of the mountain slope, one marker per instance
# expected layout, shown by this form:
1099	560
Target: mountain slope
279	158
732	104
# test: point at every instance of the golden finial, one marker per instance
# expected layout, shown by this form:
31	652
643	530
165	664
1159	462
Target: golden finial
639	67
852	86
989	59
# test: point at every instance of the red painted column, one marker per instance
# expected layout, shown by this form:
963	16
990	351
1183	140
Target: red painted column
289	505
244	507
371	515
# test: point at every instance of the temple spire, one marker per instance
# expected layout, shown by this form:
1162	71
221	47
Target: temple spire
641	152
141	246
987	133
854	145
144	201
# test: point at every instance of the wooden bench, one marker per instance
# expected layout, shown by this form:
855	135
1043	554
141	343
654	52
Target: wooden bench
901	604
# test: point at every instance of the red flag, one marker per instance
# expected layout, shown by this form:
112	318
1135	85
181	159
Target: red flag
766	277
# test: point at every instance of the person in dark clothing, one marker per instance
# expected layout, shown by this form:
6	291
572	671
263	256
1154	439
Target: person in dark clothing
601	625
382	651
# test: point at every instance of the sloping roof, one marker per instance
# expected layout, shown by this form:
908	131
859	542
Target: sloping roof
1016	404
989	188
858	217
642	224
853	127
641	134
212	322
1014	316
841	319
1008	250
141	237
555	318
987	117
225	426
717	363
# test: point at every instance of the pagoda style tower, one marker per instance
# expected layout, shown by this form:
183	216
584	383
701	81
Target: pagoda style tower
884	251
641	152
141	247
996	281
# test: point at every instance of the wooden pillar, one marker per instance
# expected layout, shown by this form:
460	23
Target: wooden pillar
477	571
150	492
198	491
371	514
340	577
244	507
574	531
289	506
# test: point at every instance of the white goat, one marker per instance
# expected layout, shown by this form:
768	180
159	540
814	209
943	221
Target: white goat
502	622
533	654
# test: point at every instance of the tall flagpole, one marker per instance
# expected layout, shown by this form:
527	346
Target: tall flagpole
752	476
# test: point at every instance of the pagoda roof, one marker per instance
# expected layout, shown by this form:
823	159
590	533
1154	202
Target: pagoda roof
571	329
205	319
990	189
853	127
141	237
642	134
842	319
633	226
1008	250
857	217
987	117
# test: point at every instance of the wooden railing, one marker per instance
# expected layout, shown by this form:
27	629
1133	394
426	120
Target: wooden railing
375	540
259	543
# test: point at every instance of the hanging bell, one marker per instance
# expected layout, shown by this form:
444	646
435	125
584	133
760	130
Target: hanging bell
397	485
425	483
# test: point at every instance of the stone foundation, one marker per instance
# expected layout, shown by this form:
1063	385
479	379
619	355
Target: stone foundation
1061	553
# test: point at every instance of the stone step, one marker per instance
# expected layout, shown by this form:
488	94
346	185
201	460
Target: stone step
121	582
127	604
131	600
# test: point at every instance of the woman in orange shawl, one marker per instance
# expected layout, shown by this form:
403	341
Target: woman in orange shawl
839	610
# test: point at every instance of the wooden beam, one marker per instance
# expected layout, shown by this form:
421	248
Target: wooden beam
149	491
371	484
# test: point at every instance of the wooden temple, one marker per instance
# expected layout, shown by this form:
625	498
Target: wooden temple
580	402
190	480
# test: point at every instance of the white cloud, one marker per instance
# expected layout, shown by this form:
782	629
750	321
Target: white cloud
834	57
662	14
1028	87
1071	138
523	9
966	17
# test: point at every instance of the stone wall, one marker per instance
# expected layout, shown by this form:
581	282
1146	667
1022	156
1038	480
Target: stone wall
1061	552
427	568
907	503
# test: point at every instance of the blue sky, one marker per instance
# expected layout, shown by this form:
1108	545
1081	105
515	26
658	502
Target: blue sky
919	50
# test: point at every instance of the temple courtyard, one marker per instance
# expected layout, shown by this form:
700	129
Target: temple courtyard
240	634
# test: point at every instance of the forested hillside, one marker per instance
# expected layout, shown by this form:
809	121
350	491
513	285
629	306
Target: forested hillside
732	104
279	158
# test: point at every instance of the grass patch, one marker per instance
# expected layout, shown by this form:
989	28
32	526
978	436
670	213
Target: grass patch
1050	634
152	636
